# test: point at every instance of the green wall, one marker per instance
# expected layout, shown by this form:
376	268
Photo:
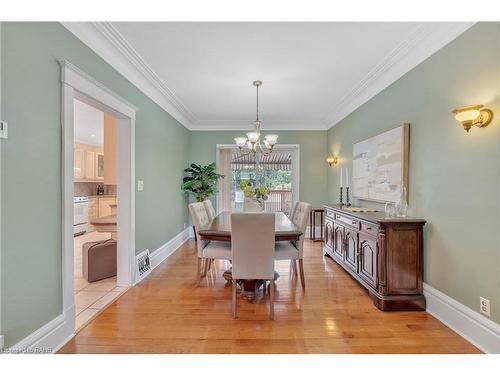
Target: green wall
313	167
31	162
454	176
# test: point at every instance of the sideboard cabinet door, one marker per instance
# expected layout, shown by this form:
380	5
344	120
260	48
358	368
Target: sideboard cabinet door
351	249
338	241
329	235
368	253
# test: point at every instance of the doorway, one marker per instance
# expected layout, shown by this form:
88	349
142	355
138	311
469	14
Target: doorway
95	207
78	87
278	171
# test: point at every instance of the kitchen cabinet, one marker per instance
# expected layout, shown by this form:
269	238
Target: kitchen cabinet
100	206
384	254
105	205
88	165
79	164
99	166
93	211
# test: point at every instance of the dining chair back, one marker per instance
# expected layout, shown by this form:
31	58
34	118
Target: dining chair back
209	208
252	243
300	219
207	250
292	213
200	221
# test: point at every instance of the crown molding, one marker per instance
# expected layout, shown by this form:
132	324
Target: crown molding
110	45
242	125
422	42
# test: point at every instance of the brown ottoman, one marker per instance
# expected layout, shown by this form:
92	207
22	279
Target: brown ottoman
99	260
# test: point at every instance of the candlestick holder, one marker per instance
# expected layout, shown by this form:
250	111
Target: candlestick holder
341	202
348	204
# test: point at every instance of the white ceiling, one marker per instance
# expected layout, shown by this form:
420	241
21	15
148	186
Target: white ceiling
314	74
89	124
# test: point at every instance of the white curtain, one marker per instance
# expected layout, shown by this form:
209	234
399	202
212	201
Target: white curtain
225	184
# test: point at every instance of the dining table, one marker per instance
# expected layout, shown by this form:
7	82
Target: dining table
219	229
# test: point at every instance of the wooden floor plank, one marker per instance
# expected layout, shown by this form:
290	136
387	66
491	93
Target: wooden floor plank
166	313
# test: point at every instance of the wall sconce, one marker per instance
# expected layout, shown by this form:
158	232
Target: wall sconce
332	160
473	115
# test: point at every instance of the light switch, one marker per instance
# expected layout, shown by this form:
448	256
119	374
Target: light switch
140	185
4	130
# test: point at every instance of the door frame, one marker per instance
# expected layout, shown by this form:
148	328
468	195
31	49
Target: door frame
76	84
295	148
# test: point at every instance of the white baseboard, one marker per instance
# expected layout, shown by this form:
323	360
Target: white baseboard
48	338
162	253
471	325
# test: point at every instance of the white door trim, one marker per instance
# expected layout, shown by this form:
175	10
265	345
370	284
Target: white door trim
77	84
295	165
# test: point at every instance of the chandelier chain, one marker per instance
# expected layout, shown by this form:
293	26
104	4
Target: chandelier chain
257	103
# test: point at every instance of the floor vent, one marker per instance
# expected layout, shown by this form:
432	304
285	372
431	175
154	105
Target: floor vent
143	265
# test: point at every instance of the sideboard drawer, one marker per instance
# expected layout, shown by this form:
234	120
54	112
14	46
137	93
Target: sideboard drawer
347	220
330	213
369	228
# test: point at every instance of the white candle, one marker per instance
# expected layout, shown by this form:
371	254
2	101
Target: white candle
347	177
341	172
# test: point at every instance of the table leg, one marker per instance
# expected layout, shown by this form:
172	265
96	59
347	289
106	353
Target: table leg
322	215
314	226
311	214
249	288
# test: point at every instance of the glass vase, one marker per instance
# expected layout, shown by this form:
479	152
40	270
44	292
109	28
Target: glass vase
402	203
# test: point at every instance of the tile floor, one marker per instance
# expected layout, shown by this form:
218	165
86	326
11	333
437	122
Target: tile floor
91	298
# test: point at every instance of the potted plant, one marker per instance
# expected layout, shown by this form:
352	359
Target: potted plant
201	181
258	194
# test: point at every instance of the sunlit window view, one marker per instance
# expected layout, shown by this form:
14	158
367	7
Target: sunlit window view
273	171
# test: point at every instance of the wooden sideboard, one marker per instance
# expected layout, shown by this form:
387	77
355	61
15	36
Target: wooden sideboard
385	255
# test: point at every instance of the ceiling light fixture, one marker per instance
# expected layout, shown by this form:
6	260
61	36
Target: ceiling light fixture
252	140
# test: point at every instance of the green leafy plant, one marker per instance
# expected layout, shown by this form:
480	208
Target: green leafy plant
201	181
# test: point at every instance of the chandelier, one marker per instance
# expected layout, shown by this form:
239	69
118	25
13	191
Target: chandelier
253	141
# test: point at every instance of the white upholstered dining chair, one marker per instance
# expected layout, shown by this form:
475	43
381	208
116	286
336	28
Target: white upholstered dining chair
293	250
207	250
209	208
252	241
292	213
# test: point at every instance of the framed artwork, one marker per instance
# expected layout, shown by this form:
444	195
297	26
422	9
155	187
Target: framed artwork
380	165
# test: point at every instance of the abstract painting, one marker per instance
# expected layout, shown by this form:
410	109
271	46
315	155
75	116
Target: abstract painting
380	165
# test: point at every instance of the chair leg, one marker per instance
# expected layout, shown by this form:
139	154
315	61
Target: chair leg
301	270
271	300
205	270
198	274
293	266
233	304
264	287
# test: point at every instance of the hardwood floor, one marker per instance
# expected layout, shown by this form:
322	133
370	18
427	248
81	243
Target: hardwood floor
167	314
